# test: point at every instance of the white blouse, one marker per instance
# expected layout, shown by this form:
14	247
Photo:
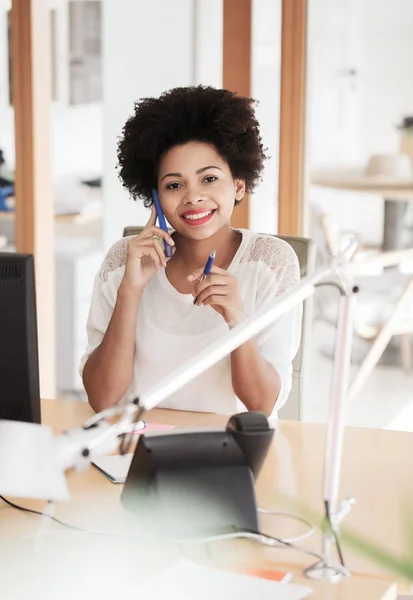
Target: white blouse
171	330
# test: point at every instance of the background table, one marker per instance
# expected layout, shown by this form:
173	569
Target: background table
396	200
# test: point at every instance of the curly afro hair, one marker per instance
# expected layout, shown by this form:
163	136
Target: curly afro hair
198	113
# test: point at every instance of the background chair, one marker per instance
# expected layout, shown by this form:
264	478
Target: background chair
384	307
306	252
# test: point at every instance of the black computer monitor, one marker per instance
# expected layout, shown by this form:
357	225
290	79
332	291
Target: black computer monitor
19	362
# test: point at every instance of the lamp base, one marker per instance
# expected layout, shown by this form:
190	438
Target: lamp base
322	571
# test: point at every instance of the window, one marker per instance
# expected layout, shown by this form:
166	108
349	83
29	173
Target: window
85	41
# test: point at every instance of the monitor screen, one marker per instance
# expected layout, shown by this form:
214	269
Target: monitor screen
19	364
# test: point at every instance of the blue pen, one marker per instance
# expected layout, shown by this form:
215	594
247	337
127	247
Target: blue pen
162	222
207	268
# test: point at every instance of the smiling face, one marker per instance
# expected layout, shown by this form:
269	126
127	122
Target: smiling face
197	190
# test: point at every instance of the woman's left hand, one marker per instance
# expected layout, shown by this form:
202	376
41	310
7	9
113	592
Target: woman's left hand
220	290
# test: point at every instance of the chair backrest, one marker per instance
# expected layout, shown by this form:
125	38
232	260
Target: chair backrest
305	250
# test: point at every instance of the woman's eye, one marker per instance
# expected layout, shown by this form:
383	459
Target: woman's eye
210	179
173	186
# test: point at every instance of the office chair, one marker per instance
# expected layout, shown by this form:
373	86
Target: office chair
305	250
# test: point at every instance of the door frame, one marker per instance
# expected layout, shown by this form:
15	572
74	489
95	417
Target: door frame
292	117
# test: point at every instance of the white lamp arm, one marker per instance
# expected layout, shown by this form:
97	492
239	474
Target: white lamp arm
77	447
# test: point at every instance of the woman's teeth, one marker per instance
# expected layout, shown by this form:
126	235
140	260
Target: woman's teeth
197	216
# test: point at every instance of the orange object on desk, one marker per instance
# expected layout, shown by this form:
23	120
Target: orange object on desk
272	574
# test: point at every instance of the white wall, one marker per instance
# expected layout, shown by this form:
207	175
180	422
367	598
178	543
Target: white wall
266	73
4	7
76	144
353	116
76	131
208	37
6	115
147	48
77	139
387	70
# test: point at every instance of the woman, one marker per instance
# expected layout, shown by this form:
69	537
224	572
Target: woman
201	149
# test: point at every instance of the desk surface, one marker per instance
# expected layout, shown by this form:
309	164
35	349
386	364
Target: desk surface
377	471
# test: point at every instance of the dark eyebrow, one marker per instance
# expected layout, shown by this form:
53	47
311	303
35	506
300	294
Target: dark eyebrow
206	169
171	175
202	170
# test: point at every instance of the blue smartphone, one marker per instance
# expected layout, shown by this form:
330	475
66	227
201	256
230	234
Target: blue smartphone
162	222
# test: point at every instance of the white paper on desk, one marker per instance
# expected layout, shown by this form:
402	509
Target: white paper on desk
186	580
114	467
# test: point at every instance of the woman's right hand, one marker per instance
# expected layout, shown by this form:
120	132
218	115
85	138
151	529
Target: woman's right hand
145	255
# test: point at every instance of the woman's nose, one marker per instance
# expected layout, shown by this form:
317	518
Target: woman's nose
192	196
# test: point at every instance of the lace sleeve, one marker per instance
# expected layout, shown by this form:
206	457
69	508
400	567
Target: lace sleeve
279	270
279	258
103	299
114	259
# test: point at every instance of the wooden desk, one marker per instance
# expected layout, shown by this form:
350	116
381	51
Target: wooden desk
377	472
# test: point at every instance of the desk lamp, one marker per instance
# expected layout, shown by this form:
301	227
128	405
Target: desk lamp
76	448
